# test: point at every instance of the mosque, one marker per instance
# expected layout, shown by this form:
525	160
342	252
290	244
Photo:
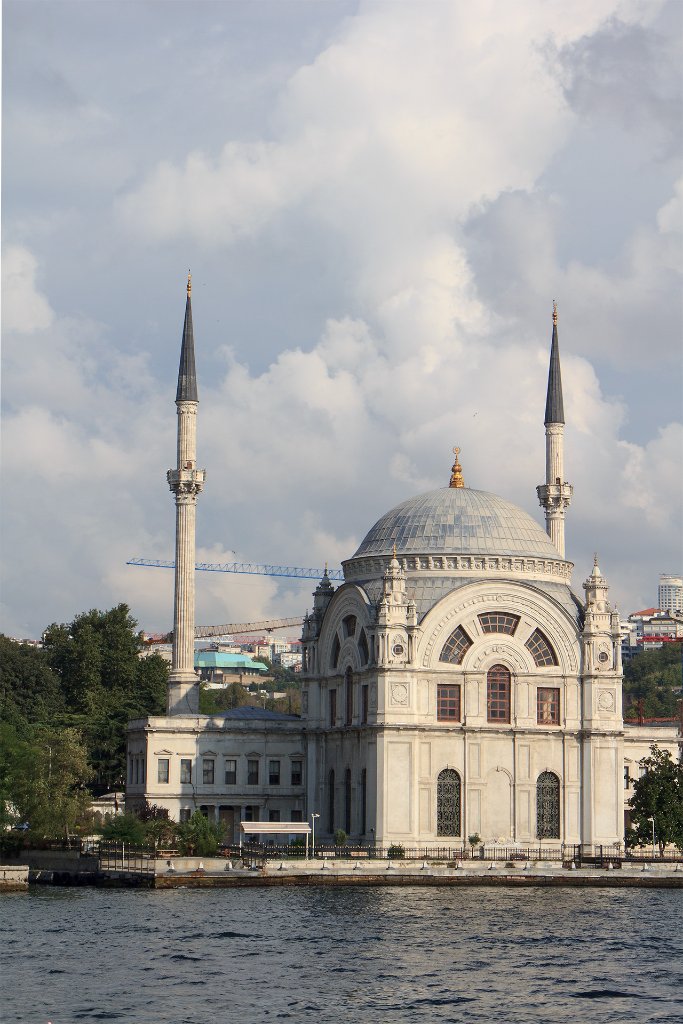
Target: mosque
453	684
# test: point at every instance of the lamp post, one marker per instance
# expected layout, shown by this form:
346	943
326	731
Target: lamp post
653	836
314	815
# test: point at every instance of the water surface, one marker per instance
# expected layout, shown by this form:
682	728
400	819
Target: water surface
192	956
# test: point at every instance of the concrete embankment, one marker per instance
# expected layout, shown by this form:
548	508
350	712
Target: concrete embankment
386	873
13	877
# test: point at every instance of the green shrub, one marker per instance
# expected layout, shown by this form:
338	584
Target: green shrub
199	837
125	828
340	837
396	851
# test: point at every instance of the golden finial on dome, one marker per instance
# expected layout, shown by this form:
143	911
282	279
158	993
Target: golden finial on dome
189	284
554	313
393	552
456	471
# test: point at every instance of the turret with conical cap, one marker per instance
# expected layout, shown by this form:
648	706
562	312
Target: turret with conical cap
555	495
186	482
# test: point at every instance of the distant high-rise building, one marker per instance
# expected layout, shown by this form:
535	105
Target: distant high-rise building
670	593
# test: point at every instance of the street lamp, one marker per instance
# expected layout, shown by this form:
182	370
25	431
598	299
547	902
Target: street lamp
653	836
314	815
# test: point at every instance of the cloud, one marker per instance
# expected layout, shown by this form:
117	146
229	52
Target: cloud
24	309
410	163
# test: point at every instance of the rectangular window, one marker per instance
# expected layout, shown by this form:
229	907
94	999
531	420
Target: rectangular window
333	708
185	770
185	813
162	769
274	774
364	704
143	770
349	698
448	702
547	705
273	815
498	694
627	778
251	813
297	773
208	771
230	771
252	773
297	816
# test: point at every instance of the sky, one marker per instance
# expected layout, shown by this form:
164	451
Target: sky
379	202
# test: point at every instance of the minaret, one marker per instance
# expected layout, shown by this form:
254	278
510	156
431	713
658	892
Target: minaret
185	482
555	494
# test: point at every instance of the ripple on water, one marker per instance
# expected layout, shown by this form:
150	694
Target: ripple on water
400	956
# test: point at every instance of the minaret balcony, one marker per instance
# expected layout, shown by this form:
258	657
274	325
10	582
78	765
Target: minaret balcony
186	481
557	495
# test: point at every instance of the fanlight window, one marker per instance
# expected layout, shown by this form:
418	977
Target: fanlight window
498	622
448	803
456	647
548	806
540	648
349	625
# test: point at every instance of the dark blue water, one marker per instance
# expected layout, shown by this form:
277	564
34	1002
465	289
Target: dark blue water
346	955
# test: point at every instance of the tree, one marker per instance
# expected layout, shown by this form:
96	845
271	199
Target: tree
43	778
199	836
29	690
105	684
212	702
657	794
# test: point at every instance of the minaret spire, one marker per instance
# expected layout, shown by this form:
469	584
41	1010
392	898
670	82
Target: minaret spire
186	482
555	495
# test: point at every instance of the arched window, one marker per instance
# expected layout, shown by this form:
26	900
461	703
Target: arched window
498	622
448	803
548	806
498	694
456	647
347	802
541	649
363	648
336	647
330	802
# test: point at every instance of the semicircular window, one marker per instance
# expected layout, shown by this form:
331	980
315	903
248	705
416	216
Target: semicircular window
336	647
541	649
498	622
456	647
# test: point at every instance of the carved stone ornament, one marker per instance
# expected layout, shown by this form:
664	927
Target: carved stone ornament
304	702
399	694
606	700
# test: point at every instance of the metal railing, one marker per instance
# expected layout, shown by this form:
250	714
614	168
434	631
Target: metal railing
567	854
115	856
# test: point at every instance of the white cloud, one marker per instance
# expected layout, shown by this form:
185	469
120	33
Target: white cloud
407	156
24	309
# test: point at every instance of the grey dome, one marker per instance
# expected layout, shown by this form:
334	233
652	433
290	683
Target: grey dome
458	521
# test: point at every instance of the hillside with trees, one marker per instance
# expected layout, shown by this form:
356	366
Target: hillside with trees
654	677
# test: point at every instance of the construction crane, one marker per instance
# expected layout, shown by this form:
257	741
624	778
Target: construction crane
235	628
229	629
247	568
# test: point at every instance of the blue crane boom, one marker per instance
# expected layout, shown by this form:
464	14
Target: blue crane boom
247	568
